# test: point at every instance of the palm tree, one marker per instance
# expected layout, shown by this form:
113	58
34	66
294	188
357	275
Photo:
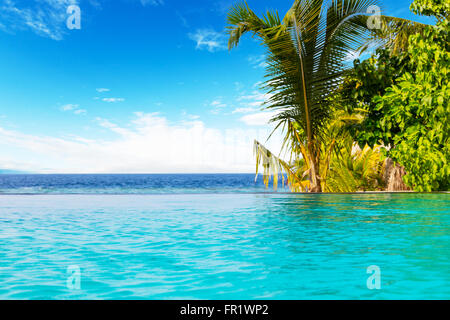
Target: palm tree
307	52
393	34
344	167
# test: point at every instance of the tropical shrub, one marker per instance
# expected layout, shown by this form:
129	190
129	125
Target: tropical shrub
410	112
366	80
354	169
418	109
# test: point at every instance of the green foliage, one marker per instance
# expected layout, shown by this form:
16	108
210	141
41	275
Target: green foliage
366	80
406	102
437	8
346	167
417	107
353	169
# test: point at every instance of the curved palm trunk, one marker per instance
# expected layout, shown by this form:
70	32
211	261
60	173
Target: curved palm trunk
313	154
314	169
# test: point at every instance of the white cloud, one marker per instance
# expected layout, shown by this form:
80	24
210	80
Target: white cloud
258	119
80	111
255	96
209	39
189	117
217	106
254	100
258	61
3	27
244	110
102	90
75	108
152	2
69	107
149	143
251	104
46	18
113	100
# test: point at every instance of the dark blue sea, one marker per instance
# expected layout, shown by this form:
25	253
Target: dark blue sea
130	183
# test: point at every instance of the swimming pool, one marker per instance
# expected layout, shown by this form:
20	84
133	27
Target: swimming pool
224	246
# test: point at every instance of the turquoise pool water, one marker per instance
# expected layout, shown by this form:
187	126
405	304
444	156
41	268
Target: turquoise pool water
224	246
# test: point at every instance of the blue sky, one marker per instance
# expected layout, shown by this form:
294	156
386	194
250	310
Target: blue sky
143	86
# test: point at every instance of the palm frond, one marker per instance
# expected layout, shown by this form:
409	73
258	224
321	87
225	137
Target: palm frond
393	34
274	167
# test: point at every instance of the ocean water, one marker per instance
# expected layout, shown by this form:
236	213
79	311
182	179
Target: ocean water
131	183
219	245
